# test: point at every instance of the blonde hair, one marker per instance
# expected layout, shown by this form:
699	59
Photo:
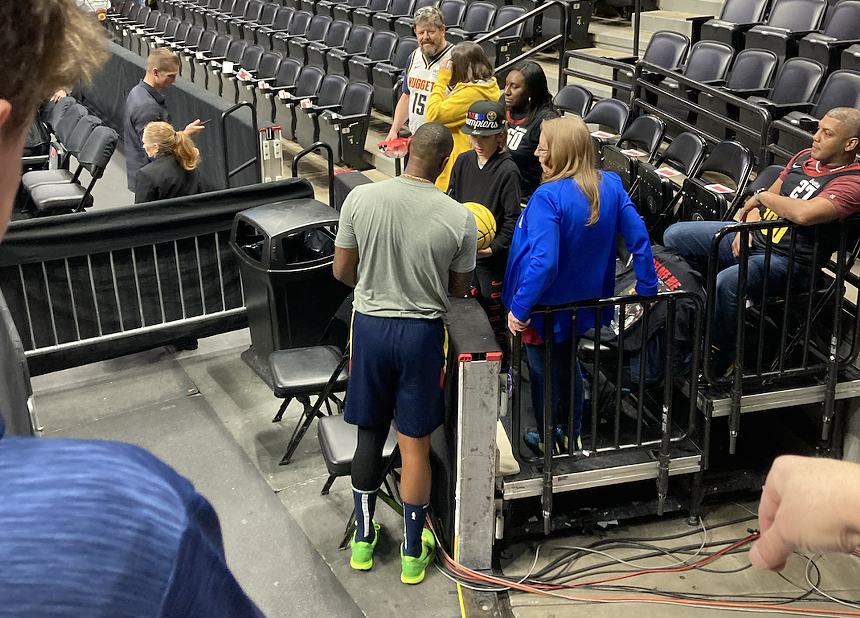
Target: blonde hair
170	142
470	64
162	59
570	154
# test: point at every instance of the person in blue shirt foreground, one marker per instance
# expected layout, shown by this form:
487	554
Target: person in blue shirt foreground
563	251
88	528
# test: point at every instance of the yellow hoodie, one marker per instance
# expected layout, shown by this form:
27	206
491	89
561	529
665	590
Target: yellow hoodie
451	111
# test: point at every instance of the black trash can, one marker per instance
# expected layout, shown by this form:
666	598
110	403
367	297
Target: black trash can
285	252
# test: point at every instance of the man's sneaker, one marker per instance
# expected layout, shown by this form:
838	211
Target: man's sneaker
413	568
362	551
532	440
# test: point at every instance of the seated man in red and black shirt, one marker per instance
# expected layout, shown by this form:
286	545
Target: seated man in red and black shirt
819	185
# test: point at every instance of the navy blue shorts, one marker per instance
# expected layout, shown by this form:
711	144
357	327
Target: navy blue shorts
397	371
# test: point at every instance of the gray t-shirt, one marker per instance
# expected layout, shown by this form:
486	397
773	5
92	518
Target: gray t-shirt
409	235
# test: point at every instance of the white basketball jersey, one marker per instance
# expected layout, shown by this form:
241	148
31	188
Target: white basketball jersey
422	75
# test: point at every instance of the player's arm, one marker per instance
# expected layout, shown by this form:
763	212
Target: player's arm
459	283
345	266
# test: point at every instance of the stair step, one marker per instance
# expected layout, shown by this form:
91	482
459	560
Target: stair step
699	7
676	21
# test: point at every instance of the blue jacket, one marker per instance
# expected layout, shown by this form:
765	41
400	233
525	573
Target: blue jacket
557	258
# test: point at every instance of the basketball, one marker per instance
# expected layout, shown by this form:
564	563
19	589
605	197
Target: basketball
486	223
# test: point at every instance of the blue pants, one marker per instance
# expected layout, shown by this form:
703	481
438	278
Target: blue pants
693	241
561	374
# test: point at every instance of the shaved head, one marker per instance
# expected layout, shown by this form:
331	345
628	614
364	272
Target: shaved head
432	143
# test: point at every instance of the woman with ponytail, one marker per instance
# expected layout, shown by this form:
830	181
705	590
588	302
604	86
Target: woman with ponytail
172	171
563	251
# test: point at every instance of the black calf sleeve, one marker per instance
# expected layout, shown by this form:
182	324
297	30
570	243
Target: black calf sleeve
367	465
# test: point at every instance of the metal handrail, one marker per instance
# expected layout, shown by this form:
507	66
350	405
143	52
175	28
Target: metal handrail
315	146
228	174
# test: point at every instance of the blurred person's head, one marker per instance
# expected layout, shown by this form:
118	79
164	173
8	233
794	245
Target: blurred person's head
565	150
44	45
430	30
470	64
838	136
526	88
162	67
159	138
429	150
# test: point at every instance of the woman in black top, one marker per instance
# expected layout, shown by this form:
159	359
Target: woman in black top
172	169
528	103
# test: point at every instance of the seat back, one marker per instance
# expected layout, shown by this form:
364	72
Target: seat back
506	15
382	46
357	99
400	7
182	31
331	90
319	27
80	134
63	129
753	69
270	12
404	51
171	28
207	41
667	49
452	12
288	72
610	113
309	81
161	24
685	153
98	150
236	50
359	40
479	16
270	62
842	89
255	9
797	15
709	60
337	33
645	133
730	159
843	23
59	110
284	17
378	6
574	99
797	81
252	57
143	15
744	11
240	8
300	23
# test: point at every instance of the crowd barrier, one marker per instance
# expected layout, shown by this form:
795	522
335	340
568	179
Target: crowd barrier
105	96
91	286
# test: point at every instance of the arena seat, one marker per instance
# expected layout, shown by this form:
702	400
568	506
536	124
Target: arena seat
267	71
508	44
358	44
307	85
666	49
736	17
345	130
841	31
452	14
329	97
187	48
363	16
645	134
358	68
479	16
851	58
285	78
609	114
282	24
132	31
700	197
573	99
298	28
220	66
788	22
322	30
266	19
250	62
74	145
148	35
69	197
387	78
397	9
196	55
178	37
326	7
253	12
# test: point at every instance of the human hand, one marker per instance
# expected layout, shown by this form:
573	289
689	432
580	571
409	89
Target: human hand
484	253
59	94
193	128
750	205
447	65
736	245
810	504
515	325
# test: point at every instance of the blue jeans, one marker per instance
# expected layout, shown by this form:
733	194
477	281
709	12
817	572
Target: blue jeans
561	373
692	240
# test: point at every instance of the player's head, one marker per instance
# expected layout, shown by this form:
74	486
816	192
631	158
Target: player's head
430	30
162	67
44	45
470	64
838	136
526	87
431	146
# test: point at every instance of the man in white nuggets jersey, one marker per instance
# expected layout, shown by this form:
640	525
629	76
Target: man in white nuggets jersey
420	73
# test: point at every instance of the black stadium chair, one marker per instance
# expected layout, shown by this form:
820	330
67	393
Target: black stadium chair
644	135
74	145
283	23
187	48
342	10
788	22
508	44
266	19
298	28
266	73
321	30
285	78
307	85
701	198
252	15
196	55
397	9
851	58
842	30
329	97
479	16
359	68
345	130
387	78
250	62
363	16
224	68
611	116
336	59
735	19
666	49
573	99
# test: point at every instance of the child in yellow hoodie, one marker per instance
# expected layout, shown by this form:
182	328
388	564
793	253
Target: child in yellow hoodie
463	79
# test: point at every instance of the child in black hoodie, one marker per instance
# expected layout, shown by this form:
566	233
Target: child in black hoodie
488	175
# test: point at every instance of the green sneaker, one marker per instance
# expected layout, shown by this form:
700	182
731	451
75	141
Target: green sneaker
413	568
362	551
